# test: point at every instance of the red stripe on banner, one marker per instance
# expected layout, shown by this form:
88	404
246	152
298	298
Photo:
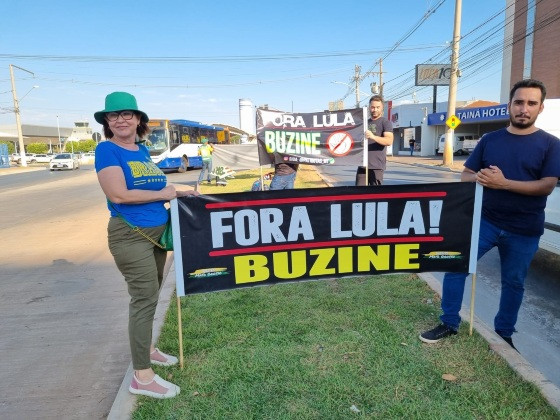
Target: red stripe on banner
334	198
239	251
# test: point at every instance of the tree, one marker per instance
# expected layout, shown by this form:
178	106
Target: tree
37	148
81	146
11	148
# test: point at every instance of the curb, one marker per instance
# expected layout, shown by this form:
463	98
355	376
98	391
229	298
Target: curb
425	165
12	170
514	359
125	402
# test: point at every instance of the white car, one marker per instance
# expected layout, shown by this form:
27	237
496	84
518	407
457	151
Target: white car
64	161
88	157
42	158
29	158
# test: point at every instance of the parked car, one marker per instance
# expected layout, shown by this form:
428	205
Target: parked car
64	161
462	143
29	158
42	158
88	157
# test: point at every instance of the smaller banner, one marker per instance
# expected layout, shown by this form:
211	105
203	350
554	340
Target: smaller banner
321	138
236	240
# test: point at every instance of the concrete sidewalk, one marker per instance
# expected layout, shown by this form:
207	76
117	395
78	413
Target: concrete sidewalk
125	402
15	169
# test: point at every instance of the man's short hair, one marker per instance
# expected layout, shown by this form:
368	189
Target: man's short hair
528	83
377	98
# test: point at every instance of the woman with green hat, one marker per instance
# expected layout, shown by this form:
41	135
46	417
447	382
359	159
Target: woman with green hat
136	191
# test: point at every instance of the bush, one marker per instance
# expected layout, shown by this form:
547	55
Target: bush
37	148
81	146
11	148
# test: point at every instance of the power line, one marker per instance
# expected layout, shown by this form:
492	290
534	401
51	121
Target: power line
358	79
206	59
475	60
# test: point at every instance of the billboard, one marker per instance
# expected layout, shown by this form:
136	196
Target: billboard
433	74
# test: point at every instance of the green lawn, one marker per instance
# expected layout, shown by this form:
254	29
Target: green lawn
332	349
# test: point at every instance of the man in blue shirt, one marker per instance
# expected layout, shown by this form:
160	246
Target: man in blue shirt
518	167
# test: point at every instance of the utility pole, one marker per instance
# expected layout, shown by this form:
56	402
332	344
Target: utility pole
357	81
59	144
18	119
381	77
377	89
449	134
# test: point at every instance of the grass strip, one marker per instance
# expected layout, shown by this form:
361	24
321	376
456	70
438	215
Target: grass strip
328	349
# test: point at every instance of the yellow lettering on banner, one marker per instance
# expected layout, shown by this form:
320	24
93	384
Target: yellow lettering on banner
324	257
404	255
345	262
250	268
289	265
282	264
367	256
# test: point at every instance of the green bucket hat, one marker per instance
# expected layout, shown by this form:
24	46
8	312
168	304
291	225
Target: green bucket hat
119	101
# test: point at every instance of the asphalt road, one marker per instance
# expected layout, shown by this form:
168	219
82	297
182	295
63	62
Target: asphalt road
538	336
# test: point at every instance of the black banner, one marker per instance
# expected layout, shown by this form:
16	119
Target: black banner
321	138
255	238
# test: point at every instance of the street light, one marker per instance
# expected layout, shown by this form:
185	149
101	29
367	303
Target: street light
34	87
353	88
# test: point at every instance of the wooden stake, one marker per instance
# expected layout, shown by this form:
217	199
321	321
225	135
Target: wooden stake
180	326
473	287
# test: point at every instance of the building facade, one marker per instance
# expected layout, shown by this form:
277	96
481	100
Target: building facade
531	47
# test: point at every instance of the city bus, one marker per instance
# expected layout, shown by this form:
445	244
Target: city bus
169	140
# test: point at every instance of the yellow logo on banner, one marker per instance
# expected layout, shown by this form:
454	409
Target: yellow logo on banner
453	122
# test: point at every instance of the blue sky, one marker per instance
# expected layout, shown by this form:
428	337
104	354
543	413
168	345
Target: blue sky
195	60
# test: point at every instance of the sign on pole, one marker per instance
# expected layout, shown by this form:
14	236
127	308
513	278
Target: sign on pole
319	138
433	74
453	122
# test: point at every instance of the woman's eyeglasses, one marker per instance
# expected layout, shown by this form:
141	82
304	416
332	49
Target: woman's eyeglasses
114	116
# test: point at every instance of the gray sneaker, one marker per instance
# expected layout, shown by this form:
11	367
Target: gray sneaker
435	334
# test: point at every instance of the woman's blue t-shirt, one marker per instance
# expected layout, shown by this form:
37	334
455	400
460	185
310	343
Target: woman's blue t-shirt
139	173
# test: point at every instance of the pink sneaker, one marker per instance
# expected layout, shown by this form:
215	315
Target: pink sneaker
157	357
156	388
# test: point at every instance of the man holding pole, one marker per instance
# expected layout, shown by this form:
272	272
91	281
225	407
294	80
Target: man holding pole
518	167
379	135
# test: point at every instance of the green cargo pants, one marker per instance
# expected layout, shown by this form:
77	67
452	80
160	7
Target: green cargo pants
141	263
